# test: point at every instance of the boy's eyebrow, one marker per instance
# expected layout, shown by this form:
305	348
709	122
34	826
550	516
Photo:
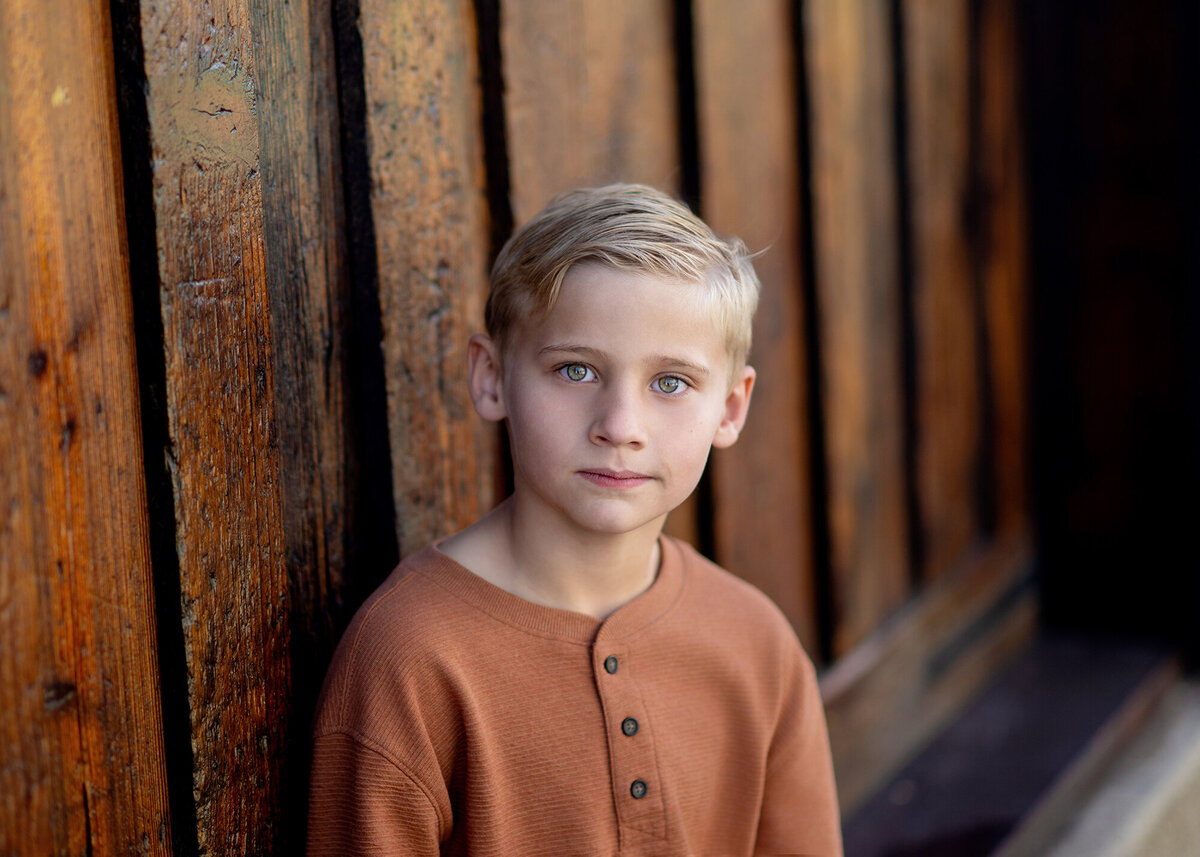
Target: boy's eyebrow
698	370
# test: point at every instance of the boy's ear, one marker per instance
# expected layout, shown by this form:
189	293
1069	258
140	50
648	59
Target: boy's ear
737	404
485	377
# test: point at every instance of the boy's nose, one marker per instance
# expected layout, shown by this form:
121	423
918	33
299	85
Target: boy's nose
619	421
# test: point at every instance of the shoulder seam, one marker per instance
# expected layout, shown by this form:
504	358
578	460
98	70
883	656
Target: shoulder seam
375	747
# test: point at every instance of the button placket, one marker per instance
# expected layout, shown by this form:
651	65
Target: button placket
634	766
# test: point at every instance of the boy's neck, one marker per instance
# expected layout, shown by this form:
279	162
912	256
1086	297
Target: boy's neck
590	573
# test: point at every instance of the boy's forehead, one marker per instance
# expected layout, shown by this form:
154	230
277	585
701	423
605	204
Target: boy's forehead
594	294
605	309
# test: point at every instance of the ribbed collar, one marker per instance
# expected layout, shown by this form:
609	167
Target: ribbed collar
624	624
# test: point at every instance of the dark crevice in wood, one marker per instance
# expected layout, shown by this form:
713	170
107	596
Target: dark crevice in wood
495	125
977	216
905	279
373	545
818	465
499	187
1188	14
684	33
691	192
89	849
140	221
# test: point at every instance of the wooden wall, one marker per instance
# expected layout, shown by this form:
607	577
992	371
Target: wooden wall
244	243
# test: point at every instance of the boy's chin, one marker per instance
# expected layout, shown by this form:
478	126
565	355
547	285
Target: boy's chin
618	525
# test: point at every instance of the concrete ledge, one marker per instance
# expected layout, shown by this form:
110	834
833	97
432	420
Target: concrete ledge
1020	762
1149	803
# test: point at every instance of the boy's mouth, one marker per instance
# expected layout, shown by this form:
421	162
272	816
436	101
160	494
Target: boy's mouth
614	478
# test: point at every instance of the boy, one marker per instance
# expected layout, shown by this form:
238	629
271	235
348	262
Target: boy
560	678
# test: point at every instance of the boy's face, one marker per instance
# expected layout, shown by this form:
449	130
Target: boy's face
613	401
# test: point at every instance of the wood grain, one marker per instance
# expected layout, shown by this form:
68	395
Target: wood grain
81	751
424	137
309	289
855	242
750	187
220	375
1005	261
590	97
936	43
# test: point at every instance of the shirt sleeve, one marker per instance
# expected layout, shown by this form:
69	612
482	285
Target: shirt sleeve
361	802
800	810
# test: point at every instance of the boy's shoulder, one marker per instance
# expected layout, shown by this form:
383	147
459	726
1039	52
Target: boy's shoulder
414	609
725	597
720	610
411	616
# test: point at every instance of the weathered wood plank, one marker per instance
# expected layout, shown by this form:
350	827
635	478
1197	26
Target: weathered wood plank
424	136
855	242
81	751
936	43
223	455
1005	258
750	186
590	97
309	282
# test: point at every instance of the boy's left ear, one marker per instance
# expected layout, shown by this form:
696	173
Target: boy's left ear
737	404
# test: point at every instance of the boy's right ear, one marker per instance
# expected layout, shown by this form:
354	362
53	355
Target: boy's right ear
485	377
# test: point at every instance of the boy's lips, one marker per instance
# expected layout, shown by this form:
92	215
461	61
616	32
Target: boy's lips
614	478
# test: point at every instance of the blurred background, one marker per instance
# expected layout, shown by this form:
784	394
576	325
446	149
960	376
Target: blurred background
243	246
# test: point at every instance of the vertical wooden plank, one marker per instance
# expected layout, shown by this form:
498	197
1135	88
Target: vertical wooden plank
424	136
309	282
854	226
747	106
223	458
81	753
1005	258
937	73
590	96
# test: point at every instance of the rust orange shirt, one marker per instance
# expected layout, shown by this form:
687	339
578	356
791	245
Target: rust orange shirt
458	719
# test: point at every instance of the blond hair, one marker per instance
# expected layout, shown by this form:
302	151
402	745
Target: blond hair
629	227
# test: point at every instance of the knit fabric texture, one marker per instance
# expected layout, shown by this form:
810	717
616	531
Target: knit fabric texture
458	719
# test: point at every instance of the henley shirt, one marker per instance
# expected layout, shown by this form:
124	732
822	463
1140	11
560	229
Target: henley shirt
459	719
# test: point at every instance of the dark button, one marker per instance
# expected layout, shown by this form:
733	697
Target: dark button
611	664
638	789
629	726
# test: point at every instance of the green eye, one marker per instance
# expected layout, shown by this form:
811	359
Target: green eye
669	384
576	371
